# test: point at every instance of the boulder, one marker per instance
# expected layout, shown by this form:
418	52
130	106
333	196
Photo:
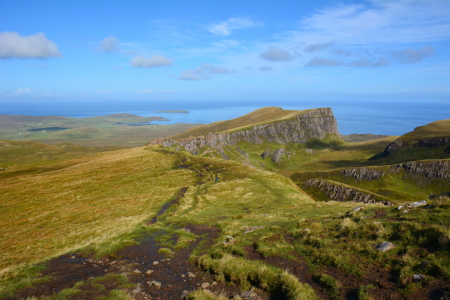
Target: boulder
204	285
229	240
277	154
265	154
417	203
384	246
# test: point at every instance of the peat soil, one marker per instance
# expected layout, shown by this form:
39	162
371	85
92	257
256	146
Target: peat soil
141	264
384	282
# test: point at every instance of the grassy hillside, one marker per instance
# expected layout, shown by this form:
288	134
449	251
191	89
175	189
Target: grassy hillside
260	116
435	129
150	222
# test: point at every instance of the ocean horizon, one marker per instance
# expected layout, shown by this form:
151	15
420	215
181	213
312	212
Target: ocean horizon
381	117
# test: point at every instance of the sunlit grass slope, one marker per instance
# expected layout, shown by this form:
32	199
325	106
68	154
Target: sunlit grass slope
85	201
435	129
260	116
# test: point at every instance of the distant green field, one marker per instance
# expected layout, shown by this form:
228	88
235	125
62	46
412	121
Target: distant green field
112	130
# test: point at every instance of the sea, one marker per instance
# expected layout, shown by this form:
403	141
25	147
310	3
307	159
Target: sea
376	117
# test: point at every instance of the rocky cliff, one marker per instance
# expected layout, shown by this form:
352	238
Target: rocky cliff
314	123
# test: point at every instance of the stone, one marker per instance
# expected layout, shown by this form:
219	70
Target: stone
406	211
154	283
137	290
191	275
137	271
248	295
148	272
204	285
265	154
155	263
418	277
417	203
184	294
251	229
277	154
310	151
228	240
358	208
400	207
384	246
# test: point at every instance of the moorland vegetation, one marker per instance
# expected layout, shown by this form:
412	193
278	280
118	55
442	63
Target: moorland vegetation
321	219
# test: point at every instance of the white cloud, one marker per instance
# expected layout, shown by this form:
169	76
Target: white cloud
13	45
203	72
151	62
224	28
21	91
145	91
276	54
109	44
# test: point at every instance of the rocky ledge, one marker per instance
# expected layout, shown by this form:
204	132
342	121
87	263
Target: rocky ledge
429	143
314	123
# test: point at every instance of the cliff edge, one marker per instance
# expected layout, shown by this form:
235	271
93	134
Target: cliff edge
272	125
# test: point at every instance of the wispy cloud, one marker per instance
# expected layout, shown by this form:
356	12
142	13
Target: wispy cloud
276	54
318	47
410	55
151	62
366	63
265	68
13	45
203	72
21	91
109	44
323	62
225	28
381	22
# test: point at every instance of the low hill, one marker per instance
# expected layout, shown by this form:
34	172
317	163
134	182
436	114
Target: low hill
430	141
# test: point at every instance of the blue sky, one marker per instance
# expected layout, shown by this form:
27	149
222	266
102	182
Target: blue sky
215	50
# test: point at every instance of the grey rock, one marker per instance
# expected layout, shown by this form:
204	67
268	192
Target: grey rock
277	154
418	277
191	275
265	154
137	271
249	295
392	147
229	240
406	211
184	294
384	246
154	283
155	263
400	207
204	285
417	203
358	208
251	229
363	174
311	151
137	290
148	272
340	193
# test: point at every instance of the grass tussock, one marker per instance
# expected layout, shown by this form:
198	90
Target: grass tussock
247	273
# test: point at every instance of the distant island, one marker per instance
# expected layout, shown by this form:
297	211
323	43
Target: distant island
173	111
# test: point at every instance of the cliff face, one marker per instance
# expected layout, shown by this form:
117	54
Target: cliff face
314	123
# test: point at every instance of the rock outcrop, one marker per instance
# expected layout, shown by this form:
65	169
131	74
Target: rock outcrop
430	169
428	143
314	123
342	193
363	174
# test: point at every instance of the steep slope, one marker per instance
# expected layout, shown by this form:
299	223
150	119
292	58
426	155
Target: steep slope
270	125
